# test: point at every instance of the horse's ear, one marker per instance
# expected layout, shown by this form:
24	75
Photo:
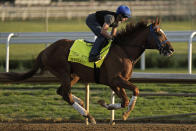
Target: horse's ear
157	20
153	22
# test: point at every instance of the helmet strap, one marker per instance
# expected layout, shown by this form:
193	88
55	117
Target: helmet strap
119	17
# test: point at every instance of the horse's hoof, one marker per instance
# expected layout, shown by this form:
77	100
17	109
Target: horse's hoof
91	119
125	116
112	123
102	103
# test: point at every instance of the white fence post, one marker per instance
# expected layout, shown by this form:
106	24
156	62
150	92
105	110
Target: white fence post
8	50
142	64
190	52
112	111
87	101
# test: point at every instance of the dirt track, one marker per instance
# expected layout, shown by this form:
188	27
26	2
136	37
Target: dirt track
98	127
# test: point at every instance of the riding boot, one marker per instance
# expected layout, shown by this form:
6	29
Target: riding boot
95	51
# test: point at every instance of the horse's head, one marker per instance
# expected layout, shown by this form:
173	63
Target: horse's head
158	40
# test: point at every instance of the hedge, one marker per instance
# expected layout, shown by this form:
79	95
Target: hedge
153	60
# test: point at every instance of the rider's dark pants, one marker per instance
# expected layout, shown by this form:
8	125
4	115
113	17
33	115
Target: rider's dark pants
96	29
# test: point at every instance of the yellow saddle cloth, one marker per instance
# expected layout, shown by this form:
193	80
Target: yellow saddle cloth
80	50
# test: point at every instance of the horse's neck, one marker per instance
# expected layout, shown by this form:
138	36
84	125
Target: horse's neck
135	48
134	53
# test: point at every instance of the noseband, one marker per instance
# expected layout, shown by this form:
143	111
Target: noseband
154	35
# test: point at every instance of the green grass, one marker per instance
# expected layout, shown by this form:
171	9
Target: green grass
30	51
22	51
177	25
40	26
64	25
27	102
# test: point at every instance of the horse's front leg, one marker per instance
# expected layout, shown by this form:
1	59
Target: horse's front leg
120	92
124	83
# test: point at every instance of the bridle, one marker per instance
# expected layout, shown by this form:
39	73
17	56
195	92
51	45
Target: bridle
154	35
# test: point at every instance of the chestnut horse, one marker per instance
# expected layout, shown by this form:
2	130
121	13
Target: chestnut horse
115	72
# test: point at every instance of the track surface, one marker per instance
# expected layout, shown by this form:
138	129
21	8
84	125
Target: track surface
98	127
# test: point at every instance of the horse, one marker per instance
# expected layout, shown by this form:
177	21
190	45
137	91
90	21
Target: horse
115	72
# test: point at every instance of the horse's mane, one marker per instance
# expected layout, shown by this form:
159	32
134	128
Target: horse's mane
129	32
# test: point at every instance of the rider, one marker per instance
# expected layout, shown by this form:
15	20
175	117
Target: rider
100	22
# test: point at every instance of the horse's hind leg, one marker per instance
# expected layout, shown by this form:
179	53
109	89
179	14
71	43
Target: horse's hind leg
78	100
120	92
67	95
75	98
81	109
65	91
73	81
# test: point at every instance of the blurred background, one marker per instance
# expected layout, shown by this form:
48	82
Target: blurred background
66	10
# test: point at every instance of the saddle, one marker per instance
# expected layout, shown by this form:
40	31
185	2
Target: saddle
80	50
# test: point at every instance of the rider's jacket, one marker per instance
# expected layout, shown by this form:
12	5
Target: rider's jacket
101	16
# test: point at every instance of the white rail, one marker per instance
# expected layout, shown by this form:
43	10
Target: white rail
8	50
190	52
50	37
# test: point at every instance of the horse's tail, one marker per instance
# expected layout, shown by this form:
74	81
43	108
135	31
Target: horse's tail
22	76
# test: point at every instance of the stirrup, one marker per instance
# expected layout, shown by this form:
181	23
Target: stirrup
94	58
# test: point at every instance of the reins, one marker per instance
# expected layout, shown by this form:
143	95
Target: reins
159	44
147	45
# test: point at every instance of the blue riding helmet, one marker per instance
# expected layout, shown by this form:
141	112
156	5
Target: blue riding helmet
124	10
